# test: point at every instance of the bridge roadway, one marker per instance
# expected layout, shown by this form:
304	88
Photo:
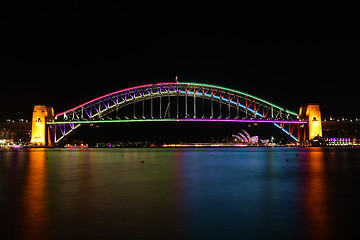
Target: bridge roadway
278	123
330	128
182	120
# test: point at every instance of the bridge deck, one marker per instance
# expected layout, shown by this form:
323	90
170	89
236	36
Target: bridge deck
181	120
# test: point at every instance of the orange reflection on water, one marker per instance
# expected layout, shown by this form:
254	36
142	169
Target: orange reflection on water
318	216
35	200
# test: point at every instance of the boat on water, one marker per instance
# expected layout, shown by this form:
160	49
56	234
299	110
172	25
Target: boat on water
76	146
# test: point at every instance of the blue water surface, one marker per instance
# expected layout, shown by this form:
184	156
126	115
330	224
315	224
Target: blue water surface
180	193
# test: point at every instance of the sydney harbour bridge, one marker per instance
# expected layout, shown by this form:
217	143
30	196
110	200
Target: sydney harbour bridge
171	102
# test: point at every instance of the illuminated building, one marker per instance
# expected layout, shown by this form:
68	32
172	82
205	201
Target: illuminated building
40	134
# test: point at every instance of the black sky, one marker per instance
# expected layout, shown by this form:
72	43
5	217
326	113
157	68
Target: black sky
64	55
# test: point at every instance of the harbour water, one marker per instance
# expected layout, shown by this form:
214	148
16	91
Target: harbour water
177	193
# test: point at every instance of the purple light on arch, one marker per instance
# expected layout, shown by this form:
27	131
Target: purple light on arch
240	120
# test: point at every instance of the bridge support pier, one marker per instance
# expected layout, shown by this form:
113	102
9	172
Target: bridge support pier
40	132
312	114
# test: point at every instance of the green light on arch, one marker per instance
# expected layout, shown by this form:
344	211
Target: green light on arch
242	93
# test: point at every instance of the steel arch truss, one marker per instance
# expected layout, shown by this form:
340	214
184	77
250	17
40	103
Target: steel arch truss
98	109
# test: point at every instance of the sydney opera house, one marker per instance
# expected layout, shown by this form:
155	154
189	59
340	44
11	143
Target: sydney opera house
245	137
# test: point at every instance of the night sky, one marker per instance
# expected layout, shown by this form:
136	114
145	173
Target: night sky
65	55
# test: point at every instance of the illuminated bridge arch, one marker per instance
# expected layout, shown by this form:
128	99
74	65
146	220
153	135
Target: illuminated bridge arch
152	102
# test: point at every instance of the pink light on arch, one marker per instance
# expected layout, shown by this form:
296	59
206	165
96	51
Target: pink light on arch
110	94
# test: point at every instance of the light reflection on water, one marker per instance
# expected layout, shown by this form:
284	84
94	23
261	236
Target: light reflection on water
248	193
315	198
35	218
